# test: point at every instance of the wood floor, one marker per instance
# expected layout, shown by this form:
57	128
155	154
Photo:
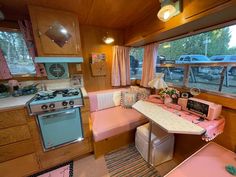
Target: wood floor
91	167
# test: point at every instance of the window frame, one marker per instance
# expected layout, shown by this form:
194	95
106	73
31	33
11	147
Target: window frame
195	32
187	73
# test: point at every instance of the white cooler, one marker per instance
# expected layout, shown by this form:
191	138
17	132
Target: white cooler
162	146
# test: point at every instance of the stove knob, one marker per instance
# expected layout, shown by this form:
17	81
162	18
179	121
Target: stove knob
64	103
44	107
71	102
52	106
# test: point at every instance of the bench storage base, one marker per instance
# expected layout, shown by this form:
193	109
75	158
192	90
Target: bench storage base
115	142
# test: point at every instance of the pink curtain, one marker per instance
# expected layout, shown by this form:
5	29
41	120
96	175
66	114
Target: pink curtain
26	29
149	63
120	66
4	70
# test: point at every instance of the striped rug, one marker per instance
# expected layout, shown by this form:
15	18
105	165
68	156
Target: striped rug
127	162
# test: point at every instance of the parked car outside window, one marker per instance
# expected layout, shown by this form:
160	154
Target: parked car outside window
226	58
184	59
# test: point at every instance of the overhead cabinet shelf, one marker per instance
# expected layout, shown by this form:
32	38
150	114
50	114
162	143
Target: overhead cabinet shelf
59	60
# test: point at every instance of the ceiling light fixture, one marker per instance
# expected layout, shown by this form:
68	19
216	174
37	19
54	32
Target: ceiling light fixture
108	39
169	8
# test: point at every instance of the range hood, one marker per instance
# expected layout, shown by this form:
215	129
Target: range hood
59	59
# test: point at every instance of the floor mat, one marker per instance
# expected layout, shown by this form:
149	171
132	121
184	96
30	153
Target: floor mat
64	170
128	162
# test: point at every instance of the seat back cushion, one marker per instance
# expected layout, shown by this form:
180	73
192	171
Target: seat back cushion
104	99
142	93
128	99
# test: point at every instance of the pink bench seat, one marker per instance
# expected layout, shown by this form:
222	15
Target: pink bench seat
113	121
209	161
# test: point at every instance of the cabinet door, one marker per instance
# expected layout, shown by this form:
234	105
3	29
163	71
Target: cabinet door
22	166
56	32
194	7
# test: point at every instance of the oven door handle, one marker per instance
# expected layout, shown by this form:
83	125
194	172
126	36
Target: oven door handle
53	115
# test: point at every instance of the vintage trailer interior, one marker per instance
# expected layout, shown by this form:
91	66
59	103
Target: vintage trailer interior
120	88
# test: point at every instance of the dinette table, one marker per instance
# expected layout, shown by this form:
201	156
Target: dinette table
168	121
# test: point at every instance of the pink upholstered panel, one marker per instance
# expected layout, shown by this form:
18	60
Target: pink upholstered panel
93	97
93	102
113	121
210	161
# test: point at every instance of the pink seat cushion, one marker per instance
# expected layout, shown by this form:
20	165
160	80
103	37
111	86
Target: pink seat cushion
210	161
113	121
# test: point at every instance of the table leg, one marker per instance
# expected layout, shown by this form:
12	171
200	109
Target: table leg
149	141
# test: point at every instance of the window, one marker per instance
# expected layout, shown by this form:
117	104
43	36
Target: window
199	52
173	75
136	63
16	53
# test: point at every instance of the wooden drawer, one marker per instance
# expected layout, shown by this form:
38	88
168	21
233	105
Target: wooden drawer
12	118
66	153
14	134
22	166
15	150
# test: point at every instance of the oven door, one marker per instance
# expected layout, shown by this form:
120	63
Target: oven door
60	128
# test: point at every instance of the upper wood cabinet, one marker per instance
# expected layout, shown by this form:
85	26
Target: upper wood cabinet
194	7
56	32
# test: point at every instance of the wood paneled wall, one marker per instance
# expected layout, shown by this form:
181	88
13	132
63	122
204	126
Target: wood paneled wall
91	41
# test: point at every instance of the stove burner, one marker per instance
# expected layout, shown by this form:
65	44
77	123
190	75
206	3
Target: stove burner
44	97
70	93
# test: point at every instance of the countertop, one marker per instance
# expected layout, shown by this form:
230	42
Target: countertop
19	102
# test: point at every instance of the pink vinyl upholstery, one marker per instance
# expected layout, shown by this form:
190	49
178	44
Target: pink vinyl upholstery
209	161
94	96
113	121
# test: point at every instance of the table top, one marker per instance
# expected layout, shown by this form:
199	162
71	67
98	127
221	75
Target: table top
167	120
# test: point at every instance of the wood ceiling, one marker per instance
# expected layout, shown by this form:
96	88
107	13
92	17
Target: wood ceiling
117	14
